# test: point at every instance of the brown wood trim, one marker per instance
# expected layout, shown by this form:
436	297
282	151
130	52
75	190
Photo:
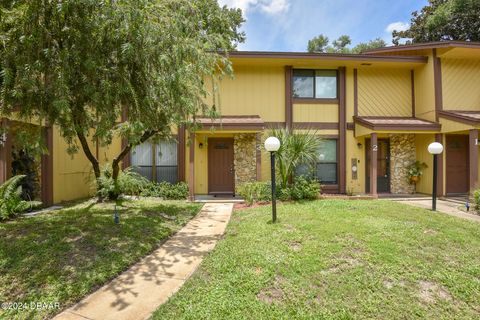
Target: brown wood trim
473	161
355	92
191	167
258	155
288	96
274	125
329	188
398	127
314	101
47	168
412	76
342	138
316	125
327	56
426	45
181	153
350	126
232	127
458	118
373	164
437	74
439	138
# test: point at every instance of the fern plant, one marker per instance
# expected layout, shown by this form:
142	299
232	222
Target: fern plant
11	202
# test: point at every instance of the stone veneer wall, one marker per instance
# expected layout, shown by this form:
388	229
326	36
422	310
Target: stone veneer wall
245	158
402	154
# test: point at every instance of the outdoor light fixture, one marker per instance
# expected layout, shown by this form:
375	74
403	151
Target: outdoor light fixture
200	145
435	148
272	144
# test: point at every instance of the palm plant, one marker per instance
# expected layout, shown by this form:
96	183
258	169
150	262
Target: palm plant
11	202
296	148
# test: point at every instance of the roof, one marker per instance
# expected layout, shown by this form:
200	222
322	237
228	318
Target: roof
247	122
397	123
426	45
468	117
325	56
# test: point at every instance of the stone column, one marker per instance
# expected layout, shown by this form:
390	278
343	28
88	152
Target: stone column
245	158
402	154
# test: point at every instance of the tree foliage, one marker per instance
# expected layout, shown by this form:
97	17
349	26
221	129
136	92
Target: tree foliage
78	64
321	44
443	20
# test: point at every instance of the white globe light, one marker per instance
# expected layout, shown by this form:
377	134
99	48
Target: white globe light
272	144
435	148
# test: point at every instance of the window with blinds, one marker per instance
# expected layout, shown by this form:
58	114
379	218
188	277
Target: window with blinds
156	162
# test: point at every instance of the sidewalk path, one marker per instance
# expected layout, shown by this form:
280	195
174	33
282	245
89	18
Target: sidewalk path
138	292
450	208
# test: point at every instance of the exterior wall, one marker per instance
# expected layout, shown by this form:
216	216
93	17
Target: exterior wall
384	92
402	154
425	91
315	113
461	83
422	155
355	151
255	90
71	174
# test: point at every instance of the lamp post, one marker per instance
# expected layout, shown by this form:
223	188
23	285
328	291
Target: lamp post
272	144
435	148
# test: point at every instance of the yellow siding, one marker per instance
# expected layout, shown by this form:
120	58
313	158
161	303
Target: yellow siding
453	126
350	94
353	151
460	84
315	113
254	91
425	91
421	145
71	174
384	92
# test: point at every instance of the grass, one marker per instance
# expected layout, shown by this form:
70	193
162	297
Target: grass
62	256
336	259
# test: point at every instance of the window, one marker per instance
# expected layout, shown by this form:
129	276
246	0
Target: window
156	162
325	169
315	84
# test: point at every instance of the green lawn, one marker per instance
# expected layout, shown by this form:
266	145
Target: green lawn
337	260
64	255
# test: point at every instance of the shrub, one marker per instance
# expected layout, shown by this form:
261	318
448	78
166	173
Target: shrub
166	190
304	189
476	200
128	182
255	191
11	202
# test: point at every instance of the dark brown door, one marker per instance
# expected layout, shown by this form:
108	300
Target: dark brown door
383	166
457	164
220	166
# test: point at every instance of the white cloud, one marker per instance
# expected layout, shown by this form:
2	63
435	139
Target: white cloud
271	7
399	26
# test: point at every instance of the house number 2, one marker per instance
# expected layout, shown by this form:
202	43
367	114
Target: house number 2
375	147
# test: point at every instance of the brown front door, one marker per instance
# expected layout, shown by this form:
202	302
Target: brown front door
220	166
457	164
383	165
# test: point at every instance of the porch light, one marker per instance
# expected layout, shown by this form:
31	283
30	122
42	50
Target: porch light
272	144
435	148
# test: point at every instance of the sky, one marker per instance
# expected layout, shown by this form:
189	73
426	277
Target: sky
287	25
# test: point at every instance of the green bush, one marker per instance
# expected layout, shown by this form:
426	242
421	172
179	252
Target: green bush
128	182
166	190
476	199
255	191
11	202
304	189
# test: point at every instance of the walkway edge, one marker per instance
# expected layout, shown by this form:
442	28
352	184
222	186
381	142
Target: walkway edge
140	290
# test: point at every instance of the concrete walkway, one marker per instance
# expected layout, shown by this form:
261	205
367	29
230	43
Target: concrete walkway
450	208
138	292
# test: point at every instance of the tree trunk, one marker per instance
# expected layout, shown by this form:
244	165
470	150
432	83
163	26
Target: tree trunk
89	154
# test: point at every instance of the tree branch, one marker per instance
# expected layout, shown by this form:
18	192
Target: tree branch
89	154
